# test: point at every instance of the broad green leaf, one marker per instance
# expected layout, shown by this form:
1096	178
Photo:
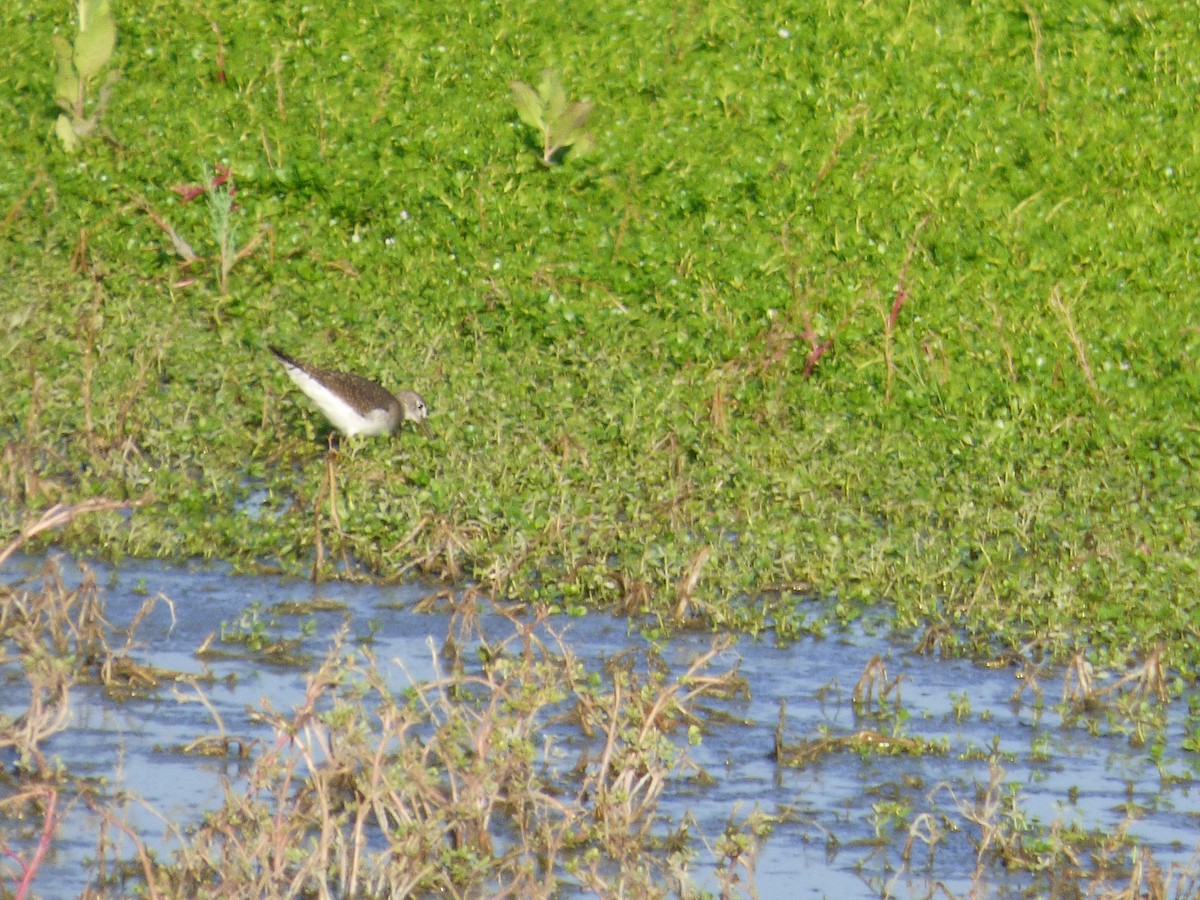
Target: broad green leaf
554	98
66	134
96	38
576	115
558	136
92	11
568	127
529	106
582	144
66	81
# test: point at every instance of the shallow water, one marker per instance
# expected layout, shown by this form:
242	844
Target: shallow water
827	843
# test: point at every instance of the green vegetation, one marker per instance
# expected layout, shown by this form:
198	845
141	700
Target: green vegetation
890	303
546	109
79	63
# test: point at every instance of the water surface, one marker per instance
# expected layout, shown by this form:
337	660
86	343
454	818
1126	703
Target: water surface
835	837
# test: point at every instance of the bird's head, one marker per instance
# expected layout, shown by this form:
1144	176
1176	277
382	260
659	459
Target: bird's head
413	409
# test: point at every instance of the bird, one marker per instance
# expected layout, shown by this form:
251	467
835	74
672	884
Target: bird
353	404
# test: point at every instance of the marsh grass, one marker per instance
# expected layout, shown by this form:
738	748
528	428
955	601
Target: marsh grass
460	785
1060	860
875	698
325	509
874	683
866	741
60	638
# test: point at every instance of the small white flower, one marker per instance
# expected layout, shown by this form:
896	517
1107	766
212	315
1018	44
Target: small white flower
784	33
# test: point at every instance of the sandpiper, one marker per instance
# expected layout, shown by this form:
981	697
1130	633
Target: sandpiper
352	404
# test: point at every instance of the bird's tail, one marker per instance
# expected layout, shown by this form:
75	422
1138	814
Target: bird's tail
281	356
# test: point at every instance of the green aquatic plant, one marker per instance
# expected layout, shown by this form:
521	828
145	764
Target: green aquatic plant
79	65
560	122
219	190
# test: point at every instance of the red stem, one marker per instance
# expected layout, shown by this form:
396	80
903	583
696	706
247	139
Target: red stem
43	845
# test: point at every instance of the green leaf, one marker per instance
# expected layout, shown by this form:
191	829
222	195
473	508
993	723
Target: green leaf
89	10
529	105
577	114
66	134
568	127
554	97
582	144
96	39
66	81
